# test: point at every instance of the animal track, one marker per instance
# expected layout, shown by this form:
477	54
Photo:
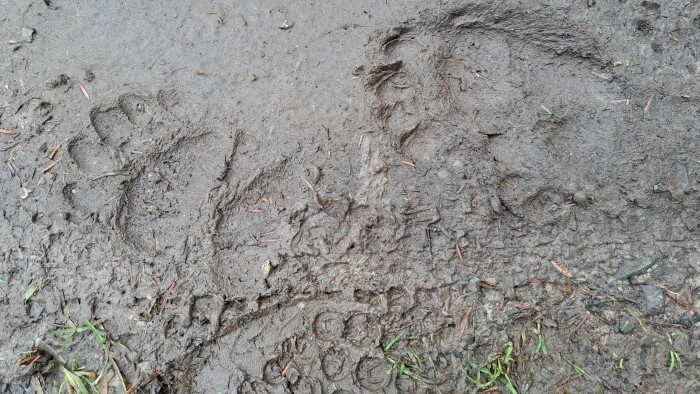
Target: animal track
328	326
250	227
362	331
476	98
93	157
163	202
371	373
335	365
309	351
160	168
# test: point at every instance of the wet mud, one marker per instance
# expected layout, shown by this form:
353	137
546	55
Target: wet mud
350	197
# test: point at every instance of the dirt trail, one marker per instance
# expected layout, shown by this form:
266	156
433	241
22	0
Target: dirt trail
351	197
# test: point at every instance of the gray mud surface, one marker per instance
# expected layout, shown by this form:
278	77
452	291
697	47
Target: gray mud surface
350	197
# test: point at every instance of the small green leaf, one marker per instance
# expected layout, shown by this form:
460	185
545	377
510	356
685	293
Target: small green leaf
30	292
620	365
546	110
266	268
621	63
675	359
508	354
301	305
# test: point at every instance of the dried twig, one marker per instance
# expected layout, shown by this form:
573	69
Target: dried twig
562	270
458	249
30	359
145	383
49	166
83	90
464	321
118	373
105	175
307	183
57	148
286	368
605	77
446	306
674	296
648	106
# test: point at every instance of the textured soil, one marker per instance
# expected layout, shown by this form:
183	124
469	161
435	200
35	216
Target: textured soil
349	196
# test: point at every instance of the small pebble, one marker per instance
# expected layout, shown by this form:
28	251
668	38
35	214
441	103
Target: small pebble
635	268
24	193
28	34
495	204
688	319
581	199
286	25
627	324
654	300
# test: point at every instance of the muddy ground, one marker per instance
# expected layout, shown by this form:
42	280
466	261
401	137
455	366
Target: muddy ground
348	196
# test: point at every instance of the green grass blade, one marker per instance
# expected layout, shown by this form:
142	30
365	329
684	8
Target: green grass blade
67	334
96	333
675	359
74	382
30	292
394	340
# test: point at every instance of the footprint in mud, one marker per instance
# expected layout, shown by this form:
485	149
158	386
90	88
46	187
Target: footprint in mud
146	168
476	99
335	365
107	150
307	349
326	345
281	216
371	373
504	93
251	227
161	205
